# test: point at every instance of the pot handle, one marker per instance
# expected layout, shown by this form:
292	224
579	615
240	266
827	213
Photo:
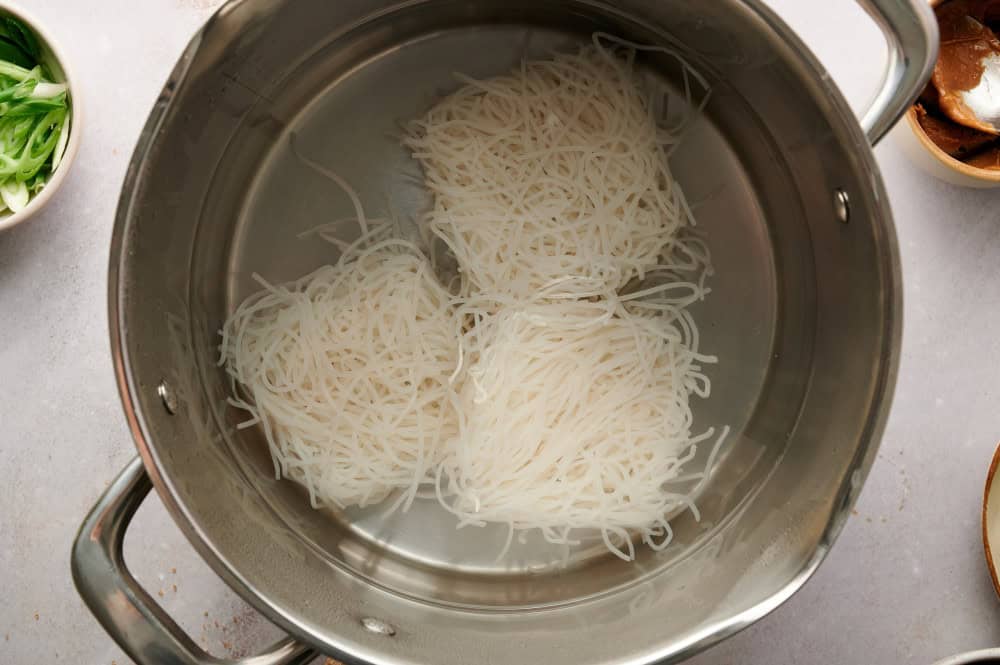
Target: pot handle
135	621
911	31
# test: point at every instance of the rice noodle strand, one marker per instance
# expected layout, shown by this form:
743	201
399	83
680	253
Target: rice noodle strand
550	389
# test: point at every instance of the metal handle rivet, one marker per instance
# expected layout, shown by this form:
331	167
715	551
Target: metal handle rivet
378	626
167	396
842	206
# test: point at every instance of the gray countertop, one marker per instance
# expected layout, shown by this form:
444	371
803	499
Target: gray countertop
905	583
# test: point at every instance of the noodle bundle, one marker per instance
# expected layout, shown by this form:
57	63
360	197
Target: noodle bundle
346	371
551	388
574	423
555	170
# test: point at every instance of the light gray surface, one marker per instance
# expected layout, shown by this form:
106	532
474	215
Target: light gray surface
906	582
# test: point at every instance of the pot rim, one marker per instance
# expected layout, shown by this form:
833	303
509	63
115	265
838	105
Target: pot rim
875	419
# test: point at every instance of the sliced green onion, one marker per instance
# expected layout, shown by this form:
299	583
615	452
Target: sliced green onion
34	117
21	35
15	195
12	71
57	154
13	53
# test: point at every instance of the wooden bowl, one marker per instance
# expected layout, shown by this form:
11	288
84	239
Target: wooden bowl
991	520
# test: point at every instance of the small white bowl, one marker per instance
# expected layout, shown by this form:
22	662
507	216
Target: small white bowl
57	63
984	657
911	138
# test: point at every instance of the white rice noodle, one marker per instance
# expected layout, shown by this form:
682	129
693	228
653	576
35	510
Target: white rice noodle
346	371
556	171
550	389
573	420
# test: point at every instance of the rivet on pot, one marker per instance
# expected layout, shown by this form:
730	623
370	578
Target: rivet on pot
378	626
842	205
167	396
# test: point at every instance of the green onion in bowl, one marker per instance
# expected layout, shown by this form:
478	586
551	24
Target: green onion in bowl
34	117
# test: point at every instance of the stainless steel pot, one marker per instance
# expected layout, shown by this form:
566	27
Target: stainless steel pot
805	316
